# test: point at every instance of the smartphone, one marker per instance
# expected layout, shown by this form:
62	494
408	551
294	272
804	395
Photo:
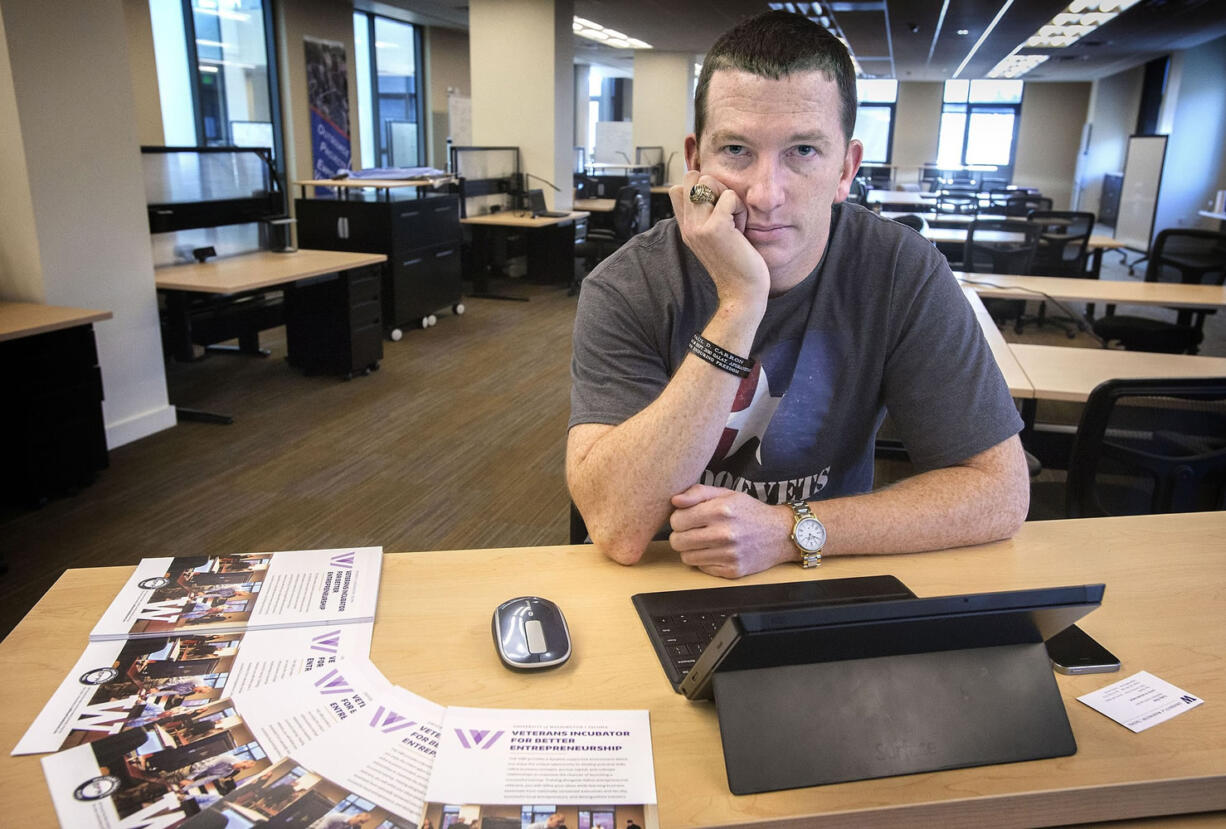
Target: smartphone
1073	651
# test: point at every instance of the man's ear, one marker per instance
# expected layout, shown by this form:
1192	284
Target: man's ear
691	153
851	164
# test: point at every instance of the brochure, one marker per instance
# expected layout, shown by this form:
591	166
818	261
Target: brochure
227	594
495	766
125	684
369	771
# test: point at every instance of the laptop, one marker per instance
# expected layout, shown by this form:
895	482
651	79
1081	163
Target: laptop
536	203
680	623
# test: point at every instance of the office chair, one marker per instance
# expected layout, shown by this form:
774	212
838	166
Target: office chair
961	202
1023	205
919	223
1144	447
1194	254
1063	237
578	529
990	184
998	197
984	255
859	190
627	221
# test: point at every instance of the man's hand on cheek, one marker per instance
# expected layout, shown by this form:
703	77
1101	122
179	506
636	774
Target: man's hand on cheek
728	534
716	235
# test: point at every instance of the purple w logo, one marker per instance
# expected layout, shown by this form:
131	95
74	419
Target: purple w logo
387	720
327	642
333	683
343	561
477	737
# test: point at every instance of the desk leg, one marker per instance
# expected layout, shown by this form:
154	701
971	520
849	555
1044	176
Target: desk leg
551	253
177	334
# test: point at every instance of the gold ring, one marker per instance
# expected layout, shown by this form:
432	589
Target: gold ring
702	194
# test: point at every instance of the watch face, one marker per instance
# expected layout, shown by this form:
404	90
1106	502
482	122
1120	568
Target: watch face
810	534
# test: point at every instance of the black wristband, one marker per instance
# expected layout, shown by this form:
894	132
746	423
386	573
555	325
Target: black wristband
718	357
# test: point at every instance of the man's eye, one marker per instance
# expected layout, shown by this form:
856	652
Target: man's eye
735	149
805	150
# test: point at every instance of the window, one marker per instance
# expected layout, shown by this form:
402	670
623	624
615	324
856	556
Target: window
216	73
875	118
595	89
979	122
388	56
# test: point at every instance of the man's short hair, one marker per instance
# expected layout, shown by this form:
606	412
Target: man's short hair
774	44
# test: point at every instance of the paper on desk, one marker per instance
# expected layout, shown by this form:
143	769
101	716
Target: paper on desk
490	757
1140	701
225	594
125	684
383	758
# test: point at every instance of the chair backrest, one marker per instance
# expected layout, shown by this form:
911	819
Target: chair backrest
912	220
999	196
990	184
1187	255
859	190
627	213
983	253
1023	205
1150	446
1063	237
957	202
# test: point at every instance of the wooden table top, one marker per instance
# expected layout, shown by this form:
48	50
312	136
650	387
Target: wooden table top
522	218
1019	384
1162	613
1096	290
389	184
1061	373
596	205
262	269
24	319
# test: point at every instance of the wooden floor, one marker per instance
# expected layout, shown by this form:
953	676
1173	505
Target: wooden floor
456	443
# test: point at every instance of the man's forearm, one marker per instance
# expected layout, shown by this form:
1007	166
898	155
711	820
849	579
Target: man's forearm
623	480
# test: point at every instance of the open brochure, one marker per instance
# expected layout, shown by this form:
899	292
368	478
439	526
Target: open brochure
127	684
225	594
495	766
158	775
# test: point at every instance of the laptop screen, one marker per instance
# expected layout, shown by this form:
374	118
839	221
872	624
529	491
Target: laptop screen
536	201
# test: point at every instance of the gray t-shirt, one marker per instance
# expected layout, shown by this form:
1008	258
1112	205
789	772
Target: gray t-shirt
880	325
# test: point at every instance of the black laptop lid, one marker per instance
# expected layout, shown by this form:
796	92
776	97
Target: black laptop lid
536	201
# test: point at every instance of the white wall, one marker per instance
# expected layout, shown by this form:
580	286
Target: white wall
917	120
20	268
1196	150
1049	138
664	105
74	103
1114	104
446	68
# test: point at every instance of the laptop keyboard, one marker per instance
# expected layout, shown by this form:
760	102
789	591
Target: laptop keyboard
686	635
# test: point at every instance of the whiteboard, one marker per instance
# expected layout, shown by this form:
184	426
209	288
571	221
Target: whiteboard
460	120
614	142
1139	194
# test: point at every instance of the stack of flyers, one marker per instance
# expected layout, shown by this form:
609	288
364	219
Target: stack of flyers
119	685
253	591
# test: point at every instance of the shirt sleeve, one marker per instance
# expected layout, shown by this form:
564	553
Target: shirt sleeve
942	387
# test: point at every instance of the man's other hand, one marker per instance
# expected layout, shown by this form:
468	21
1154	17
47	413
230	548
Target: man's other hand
729	534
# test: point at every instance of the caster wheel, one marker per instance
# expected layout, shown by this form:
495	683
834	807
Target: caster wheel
366	371
433	320
458	308
348	376
395	335
425	322
373	367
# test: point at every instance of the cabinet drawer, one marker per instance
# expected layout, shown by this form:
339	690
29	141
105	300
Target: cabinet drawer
362	314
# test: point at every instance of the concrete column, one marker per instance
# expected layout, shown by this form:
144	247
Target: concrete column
72	197
663	112
522	54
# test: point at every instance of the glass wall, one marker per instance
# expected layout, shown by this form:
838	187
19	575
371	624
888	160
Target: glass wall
390	100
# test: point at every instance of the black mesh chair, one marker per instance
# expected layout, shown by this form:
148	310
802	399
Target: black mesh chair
1144	447
1062	251
1025	205
984	252
961	202
911	220
1178	254
627	221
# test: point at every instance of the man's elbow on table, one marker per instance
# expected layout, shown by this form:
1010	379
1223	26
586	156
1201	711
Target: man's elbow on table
623	546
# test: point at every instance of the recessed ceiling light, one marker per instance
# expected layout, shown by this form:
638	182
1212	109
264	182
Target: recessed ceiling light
964	32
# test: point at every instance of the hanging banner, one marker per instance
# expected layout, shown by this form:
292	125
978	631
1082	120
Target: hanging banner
328	98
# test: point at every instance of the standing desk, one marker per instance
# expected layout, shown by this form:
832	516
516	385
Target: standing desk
329	322
595	205
1164	599
51	420
550	242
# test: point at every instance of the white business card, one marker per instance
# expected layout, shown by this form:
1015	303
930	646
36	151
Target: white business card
1141	701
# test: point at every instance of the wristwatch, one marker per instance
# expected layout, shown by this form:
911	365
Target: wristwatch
808	534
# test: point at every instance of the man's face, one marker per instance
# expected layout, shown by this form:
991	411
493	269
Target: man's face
779	144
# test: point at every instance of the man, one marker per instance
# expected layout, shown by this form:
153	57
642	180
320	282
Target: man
754	441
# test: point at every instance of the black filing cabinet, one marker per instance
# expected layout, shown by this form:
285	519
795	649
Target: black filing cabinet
1109	202
419	236
55	441
334	324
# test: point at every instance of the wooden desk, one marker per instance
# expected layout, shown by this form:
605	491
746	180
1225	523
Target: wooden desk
1164	577
660	189
347	185
550	243
523	219
1060	373
903	197
253	271
1165	294
595	205
957	236
52	433
1019	384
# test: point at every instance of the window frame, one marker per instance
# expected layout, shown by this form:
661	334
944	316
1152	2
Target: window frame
375	121
967	109
274	84
889	141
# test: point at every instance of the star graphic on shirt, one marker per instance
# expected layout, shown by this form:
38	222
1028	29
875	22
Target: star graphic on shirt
752	420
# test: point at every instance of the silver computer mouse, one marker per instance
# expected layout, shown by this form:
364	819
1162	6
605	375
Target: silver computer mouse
530	634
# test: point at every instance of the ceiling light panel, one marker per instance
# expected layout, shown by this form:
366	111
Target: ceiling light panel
609	37
1077	20
1016	65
